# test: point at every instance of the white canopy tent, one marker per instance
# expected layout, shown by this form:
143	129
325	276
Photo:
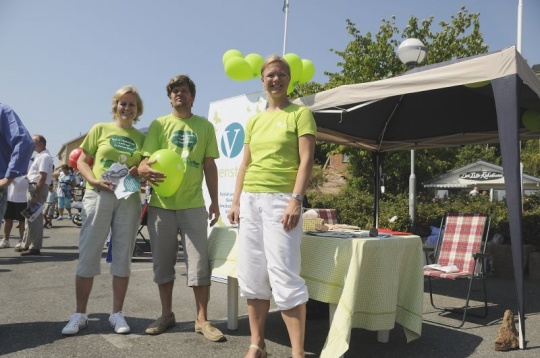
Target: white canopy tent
466	101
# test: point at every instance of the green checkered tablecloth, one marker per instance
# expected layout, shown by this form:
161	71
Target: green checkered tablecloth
223	254
375	282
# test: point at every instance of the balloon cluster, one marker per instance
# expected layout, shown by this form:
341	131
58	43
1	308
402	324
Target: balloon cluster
240	68
531	120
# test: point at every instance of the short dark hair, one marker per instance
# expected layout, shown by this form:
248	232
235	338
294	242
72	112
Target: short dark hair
181	80
41	139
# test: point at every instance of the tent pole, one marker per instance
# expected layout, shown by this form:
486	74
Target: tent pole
375	159
412	190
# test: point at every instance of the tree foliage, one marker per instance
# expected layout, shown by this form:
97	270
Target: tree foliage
369	57
530	156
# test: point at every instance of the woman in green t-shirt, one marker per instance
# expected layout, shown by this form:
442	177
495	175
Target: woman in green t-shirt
267	204
103	213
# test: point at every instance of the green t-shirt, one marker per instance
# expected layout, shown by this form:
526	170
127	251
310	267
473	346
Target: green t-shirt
109	144
273	144
194	139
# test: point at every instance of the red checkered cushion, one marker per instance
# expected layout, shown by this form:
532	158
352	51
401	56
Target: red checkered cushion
329	215
462	237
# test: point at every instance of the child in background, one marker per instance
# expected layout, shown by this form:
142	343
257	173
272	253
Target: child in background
49	212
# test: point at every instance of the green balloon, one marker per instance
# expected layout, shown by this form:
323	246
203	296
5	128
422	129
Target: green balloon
255	62
238	69
308	70
231	53
171	164
295	63
531	120
290	88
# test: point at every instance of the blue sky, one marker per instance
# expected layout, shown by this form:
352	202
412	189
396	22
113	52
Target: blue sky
62	60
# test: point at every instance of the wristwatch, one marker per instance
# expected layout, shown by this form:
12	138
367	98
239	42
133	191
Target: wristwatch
298	197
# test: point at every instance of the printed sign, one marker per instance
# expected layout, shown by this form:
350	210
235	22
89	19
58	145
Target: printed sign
229	117
481	175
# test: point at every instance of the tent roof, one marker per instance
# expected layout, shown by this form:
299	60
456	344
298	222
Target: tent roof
383	115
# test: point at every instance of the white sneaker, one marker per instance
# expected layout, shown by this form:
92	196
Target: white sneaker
118	322
77	321
4	244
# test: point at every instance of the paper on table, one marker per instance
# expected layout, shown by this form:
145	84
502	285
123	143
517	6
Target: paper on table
447	268
346	234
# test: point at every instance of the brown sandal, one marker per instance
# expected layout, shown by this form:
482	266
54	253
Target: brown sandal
262	351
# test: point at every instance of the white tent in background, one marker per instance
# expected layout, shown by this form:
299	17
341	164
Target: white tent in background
466	101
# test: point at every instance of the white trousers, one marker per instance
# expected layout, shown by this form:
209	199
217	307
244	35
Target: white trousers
269	257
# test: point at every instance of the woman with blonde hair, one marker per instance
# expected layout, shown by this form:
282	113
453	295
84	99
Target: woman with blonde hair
111	142
267	204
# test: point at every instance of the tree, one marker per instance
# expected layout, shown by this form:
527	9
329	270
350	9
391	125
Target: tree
372	57
530	157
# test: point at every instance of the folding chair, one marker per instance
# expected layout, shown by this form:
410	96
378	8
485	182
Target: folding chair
460	251
329	215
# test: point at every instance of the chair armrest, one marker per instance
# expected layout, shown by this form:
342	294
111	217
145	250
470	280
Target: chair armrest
483	255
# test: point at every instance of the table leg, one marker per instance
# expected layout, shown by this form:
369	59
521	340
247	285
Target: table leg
382	336
232	303
331	310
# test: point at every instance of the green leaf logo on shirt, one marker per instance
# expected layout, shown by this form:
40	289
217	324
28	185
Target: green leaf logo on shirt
107	163
184	139
123	144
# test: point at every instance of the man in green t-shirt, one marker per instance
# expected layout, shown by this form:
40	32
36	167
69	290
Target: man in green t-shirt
194	139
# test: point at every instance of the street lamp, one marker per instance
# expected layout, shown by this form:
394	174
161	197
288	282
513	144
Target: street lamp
412	52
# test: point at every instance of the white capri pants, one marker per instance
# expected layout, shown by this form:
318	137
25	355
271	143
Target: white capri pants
269	257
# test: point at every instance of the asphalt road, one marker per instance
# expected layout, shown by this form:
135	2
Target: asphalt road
37	295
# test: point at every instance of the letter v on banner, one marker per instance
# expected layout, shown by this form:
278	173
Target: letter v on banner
229	117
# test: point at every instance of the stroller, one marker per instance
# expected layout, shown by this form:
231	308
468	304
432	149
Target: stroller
143	245
78	194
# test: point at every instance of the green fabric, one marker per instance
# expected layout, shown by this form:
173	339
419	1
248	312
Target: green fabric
273	144
375	282
194	139
109	144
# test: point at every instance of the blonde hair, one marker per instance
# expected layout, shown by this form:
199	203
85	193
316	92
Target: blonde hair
275	58
125	90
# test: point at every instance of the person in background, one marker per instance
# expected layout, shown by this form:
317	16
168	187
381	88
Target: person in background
16	147
194	138
112	142
271	183
49	211
474	192
39	177
66	182
15	205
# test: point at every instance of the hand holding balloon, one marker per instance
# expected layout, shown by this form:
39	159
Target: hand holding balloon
167	172
145	171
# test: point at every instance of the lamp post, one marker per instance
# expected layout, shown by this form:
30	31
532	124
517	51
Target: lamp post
412	52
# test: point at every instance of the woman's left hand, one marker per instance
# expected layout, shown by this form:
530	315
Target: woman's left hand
291	216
